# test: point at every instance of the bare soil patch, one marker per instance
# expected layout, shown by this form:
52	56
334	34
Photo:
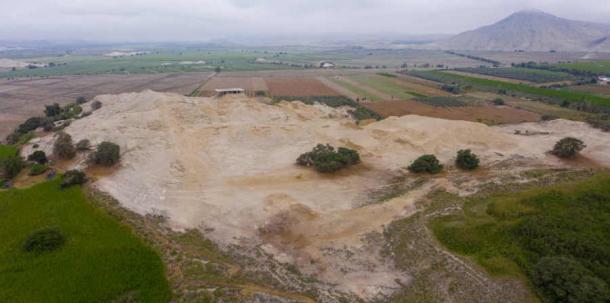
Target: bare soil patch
298	86
486	114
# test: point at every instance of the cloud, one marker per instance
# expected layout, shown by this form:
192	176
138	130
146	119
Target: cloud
162	20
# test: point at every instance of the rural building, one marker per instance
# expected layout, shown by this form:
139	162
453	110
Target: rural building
229	91
603	79
326	64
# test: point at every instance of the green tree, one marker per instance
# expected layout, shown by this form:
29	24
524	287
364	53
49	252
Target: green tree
107	154
466	160
52	110
325	159
38	156
562	279
83	144
568	147
73	177
426	164
44	240
63	147
12	165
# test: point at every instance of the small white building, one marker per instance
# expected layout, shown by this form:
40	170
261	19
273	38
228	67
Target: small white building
229	91
326	64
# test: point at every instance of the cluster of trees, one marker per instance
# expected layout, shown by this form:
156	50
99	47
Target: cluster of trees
465	160
493	62
327	159
566	148
106	153
53	112
556	68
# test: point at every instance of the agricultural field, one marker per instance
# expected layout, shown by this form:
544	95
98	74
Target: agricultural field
596	67
99	259
491	115
602	90
507	58
298	86
525	74
24	98
532	235
556	95
386	86
166	61
361	93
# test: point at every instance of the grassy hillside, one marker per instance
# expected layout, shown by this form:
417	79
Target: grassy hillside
100	260
557	237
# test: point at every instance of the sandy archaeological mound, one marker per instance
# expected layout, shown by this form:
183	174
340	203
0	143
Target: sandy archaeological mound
227	167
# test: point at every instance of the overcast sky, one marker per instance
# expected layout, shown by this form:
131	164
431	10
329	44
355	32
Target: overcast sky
200	20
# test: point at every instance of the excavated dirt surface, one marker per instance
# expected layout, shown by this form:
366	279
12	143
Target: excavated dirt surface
227	167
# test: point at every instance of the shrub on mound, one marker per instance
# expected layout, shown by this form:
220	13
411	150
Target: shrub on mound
568	147
83	144
325	159
44	240
73	177
466	160
63	147
95	105
11	166
38	169
107	154
426	164
38	156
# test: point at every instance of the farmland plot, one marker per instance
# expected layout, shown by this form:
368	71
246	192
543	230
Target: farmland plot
524	74
298	86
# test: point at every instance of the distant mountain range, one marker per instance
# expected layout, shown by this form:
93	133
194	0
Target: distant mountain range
533	31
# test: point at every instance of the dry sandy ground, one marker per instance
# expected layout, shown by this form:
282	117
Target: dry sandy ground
226	166
23	98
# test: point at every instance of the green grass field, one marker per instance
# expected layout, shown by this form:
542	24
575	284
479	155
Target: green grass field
486	84
101	260
513	234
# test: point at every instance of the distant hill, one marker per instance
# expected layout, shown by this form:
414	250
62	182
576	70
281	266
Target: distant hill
533	31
